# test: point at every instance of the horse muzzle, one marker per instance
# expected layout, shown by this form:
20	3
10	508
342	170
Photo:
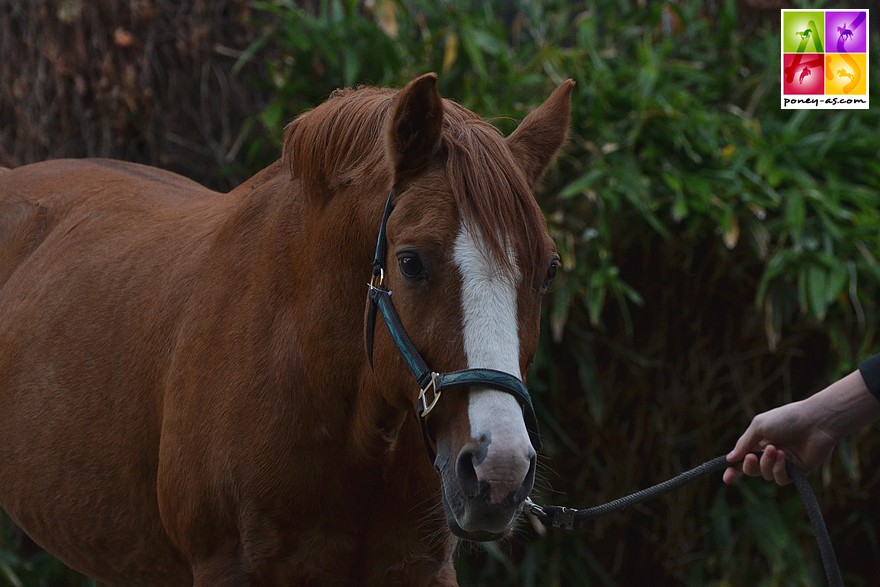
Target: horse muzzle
483	490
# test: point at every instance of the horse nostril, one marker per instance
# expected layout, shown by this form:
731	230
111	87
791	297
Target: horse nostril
526	487
470	457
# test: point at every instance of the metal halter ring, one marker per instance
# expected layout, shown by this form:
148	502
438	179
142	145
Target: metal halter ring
424	406
377	279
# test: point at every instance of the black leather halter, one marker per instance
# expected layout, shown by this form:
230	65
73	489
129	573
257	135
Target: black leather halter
431	383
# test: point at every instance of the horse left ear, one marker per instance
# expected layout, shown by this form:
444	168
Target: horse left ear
542	133
415	126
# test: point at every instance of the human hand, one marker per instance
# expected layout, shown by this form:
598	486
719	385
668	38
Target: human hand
791	432
803	432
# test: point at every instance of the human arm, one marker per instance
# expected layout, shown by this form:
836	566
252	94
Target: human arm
806	431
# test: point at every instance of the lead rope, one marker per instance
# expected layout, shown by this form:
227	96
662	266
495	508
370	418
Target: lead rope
573	519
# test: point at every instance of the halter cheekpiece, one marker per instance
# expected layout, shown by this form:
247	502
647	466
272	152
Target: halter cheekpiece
431	383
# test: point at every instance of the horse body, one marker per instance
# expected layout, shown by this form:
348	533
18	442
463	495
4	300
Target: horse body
184	393
55	382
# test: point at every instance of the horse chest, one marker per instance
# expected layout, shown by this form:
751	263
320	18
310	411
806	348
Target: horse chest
360	530
375	558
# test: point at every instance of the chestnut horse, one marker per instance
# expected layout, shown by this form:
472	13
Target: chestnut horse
185	396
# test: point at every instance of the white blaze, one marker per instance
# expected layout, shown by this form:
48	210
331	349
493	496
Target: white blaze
491	337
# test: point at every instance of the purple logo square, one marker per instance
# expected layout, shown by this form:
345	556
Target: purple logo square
846	31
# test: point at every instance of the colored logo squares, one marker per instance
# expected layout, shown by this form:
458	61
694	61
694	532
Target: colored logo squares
824	59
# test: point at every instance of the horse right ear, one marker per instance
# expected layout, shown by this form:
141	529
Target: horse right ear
414	128
542	133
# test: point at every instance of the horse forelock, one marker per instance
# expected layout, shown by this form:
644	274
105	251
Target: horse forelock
340	144
492	193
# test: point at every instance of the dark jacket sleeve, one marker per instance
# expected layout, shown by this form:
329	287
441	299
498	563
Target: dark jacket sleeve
870	370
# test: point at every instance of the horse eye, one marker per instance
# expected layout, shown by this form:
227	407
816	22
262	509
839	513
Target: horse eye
551	273
411	266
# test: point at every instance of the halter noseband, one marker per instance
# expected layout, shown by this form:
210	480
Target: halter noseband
431	383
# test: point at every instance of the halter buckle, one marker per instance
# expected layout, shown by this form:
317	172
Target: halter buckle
377	279
425	406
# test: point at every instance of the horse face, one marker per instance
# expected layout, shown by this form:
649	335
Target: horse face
471	301
465	309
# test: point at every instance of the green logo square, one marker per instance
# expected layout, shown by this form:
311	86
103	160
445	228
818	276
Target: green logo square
803	31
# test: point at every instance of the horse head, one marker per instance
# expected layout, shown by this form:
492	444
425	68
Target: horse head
468	260
463	261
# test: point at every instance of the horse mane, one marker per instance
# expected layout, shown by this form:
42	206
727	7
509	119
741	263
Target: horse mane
341	143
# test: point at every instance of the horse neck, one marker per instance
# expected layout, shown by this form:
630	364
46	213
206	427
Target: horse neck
316	252
320	255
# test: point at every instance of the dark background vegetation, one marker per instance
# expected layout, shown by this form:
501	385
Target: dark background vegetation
719	253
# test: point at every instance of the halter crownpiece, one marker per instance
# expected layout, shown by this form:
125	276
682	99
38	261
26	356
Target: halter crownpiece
431	383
